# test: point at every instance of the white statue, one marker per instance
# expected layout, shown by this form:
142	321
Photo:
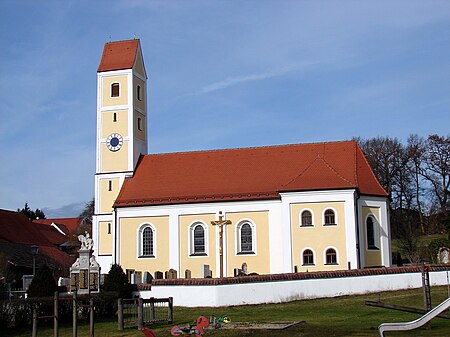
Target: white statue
86	241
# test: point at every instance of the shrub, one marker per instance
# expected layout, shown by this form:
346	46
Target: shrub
43	283
116	281
434	246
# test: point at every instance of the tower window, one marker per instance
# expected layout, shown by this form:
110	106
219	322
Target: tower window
110	185
139	93
115	117
139	124
115	90
109	228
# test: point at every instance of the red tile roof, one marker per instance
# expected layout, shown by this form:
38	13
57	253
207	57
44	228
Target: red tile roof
51	233
70	224
118	55
17	228
248	174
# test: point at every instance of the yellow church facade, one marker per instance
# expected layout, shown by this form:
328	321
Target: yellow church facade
290	208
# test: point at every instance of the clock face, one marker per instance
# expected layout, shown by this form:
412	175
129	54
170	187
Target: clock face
114	142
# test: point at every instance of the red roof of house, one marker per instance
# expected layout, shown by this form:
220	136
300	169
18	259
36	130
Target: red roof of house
51	233
248	174
65	224
118	55
15	227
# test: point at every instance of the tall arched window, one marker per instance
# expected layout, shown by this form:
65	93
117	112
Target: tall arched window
147	242
371	233
306	219
245	237
330	256
329	217
115	90
308	257
199	239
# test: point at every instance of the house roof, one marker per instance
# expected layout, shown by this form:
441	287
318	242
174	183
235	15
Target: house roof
15	227
51	233
118	55
67	225
248	174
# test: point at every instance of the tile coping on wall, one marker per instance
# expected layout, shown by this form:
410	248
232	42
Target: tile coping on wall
289	276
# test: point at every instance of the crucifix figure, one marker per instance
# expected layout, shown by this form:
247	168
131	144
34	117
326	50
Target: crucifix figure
221	222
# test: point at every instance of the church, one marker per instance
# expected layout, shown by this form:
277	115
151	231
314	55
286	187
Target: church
263	210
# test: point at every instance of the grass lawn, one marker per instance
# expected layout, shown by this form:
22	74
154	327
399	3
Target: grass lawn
340	316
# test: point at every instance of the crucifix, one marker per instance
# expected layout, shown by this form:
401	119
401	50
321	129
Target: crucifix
221	222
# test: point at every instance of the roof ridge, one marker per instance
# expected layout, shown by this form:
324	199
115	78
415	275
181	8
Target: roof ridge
249	148
122	41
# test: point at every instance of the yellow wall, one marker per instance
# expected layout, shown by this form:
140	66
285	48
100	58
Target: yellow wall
104	238
259	262
140	134
372	257
114	161
195	263
129	228
122	99
108	197
120	126
139	103
139	65
318	238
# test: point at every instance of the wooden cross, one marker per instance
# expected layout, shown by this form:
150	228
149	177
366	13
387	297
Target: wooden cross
221	222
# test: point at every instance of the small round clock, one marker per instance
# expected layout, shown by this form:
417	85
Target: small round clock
114	142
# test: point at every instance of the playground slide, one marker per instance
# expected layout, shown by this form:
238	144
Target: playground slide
404	326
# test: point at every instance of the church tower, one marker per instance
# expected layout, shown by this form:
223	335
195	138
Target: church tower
121	135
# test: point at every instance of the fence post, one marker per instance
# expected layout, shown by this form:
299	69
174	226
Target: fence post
119	314
152	309
140	313
170	310
34	330
55	315
74	315
91	315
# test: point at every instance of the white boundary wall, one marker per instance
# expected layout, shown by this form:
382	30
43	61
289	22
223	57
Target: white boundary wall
284	291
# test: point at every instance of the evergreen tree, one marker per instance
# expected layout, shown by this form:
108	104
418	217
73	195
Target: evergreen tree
30	214
116	280
43	283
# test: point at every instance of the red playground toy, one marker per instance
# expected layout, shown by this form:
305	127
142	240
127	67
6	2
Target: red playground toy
196	329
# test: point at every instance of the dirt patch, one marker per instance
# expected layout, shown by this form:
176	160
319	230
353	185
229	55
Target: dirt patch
259	325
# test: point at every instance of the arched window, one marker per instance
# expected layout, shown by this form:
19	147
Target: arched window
329	217
308	257
115	90
147	242
371	233
331	256
139	93
306	219
245	237
199	240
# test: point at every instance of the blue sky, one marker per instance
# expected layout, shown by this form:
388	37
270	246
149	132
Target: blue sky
221	74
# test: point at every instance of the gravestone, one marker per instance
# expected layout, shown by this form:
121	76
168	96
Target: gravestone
205	272
159	275
172	274
187	273
85	272
147	278
444	255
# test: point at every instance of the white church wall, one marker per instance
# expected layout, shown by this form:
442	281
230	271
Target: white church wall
284	291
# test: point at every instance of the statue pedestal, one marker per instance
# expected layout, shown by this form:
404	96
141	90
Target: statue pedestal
85	273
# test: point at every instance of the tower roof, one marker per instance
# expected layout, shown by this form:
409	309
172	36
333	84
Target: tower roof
119	55
248	174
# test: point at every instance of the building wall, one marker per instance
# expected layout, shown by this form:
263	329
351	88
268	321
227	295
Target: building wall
129	254
319	237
